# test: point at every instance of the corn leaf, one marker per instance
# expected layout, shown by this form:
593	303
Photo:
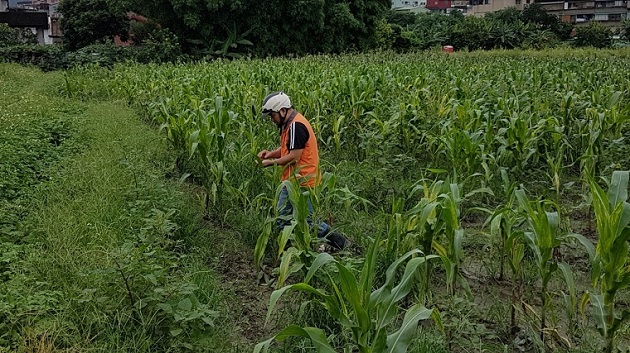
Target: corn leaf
398	342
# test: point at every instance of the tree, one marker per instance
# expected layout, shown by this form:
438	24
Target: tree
626	29
472	33
86	22
401	18
536	14
276	27
507	15
594	35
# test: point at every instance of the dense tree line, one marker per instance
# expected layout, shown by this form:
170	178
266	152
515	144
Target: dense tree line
233	28
510	28
194	29
222	27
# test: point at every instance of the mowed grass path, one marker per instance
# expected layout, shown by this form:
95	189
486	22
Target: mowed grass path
100	249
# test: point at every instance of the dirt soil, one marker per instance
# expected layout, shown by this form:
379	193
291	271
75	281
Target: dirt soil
246	296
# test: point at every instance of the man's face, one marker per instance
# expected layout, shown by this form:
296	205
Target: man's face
275	117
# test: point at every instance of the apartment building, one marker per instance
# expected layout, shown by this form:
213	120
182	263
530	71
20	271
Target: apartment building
475	7
608	12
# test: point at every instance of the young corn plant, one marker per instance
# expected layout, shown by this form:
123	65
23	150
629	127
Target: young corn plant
517	251
451	251
543	240
610	261
295	238
433	225
295	241
207	144
504	221
556	155
417	228
366	316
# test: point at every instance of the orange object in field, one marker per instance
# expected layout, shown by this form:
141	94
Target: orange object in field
447	49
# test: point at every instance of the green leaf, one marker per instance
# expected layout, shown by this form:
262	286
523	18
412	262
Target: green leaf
437	319
284	237
285	263
568	279
379	295
185	304
321	260
176	332
244	42
586	298
599	312
618	190
398	342
389	307
350	290
261	244
369	270
303	287
165	307
588	245
317	336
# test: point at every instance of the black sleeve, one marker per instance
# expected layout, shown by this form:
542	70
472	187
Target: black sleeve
298	135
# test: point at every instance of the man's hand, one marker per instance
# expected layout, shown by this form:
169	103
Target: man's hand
263	154
268	162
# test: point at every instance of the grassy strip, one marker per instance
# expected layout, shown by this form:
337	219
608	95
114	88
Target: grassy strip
101	262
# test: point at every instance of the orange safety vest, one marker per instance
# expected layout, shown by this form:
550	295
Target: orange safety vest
307	167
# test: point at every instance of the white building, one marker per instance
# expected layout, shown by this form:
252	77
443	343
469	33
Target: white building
40	17
397	4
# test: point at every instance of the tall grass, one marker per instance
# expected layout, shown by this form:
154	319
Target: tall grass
102	264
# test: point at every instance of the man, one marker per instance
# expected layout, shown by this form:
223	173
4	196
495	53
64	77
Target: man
299	156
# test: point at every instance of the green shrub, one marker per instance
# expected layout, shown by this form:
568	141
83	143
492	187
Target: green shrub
540	40
625	29
158	46
594	35
103	54
472	33
384	35
10	36
46	57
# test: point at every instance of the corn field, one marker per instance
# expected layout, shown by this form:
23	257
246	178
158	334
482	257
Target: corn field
515	160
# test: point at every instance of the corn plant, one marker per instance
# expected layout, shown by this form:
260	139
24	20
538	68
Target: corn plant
451	253
590	159
207	143
366	315
504	222
416	228
514	243
610	264
295	238
543	240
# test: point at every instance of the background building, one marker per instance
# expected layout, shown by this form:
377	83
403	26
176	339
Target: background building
398	4
40	16
610	13
481	7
